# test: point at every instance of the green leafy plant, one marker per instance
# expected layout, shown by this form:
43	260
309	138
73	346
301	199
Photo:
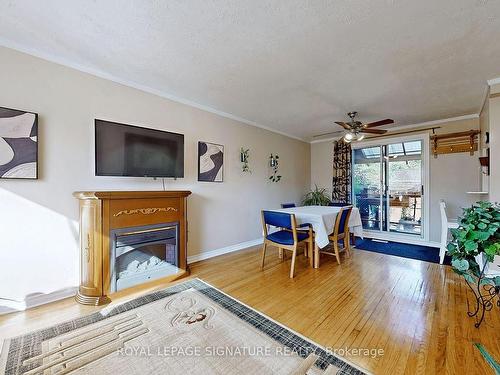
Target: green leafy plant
478	234
244	156
476	242
316	197
406	214
274	164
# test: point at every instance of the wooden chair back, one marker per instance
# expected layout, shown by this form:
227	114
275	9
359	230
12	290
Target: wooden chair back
342	221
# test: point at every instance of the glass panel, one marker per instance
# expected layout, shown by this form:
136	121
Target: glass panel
413	148
404	183
366	186
142	254
144	263
369	153
396	149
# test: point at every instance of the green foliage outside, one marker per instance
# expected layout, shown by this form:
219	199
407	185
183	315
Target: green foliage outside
367	175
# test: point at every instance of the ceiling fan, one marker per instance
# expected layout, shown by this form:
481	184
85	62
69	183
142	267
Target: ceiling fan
356	130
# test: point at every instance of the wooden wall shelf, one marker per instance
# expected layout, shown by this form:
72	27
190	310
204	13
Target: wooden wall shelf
455	142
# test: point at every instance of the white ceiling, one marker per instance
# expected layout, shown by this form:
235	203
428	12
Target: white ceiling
292	65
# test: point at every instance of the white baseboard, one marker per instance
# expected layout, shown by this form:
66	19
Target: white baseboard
8	306
433	244
402	239
223	250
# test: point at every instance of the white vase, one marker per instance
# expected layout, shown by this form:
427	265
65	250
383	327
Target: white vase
492	269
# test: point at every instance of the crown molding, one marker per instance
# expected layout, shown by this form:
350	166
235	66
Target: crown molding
486	96
100	74
412	126
440	121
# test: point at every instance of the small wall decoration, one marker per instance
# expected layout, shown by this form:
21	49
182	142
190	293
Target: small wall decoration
210	162
274	164
18	144
244	156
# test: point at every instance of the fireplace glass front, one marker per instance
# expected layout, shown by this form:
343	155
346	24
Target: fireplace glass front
142	254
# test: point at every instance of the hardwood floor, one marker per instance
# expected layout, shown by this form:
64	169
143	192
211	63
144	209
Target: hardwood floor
415	311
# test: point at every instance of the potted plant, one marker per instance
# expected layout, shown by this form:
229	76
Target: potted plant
274	164
406	220
316	197
475	250
244	156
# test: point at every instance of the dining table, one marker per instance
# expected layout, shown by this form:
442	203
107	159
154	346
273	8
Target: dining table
322	219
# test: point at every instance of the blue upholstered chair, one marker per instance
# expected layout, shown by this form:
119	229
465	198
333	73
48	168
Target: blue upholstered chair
300	226
287	238
340	232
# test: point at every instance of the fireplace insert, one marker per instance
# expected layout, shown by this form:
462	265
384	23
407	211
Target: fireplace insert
142	254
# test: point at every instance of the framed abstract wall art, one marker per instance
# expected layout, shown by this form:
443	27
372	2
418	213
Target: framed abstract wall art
210	162
18	144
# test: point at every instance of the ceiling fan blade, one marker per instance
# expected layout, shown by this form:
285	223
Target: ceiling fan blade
343	124
329	133
373	131
379	123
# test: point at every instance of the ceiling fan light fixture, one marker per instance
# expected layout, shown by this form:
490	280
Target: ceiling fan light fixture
355	130
348	137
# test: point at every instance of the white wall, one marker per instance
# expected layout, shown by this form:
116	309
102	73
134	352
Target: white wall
451	175
322	165
484	126
494	127
38	219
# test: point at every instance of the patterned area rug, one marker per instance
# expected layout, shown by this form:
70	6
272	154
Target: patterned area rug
189	328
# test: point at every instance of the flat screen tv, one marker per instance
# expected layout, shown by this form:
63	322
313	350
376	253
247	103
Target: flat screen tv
132	151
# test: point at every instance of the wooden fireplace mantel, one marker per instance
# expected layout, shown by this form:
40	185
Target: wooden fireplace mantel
130	194
104	211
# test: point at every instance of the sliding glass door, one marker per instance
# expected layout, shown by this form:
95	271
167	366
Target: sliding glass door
367	189
388	186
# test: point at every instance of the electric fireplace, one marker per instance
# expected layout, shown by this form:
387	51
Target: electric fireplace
144	253
130	239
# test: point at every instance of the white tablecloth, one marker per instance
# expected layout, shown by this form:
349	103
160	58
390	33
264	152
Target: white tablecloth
322	218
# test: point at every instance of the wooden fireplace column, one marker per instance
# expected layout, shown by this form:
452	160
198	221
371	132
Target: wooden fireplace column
103	211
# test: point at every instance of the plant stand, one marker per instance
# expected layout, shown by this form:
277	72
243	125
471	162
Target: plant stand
485	295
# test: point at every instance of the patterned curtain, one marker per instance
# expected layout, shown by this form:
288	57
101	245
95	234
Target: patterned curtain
342	178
